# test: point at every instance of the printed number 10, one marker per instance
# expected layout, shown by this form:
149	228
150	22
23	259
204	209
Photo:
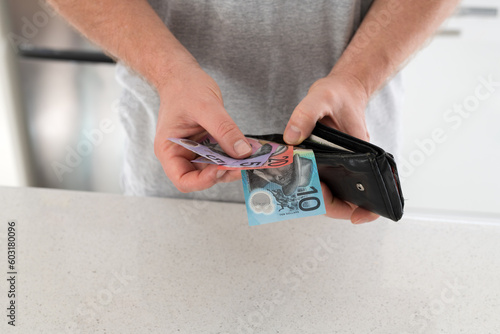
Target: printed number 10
307	199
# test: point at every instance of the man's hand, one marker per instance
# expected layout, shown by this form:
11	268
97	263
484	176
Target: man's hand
191	105
339	101
390	32
191	102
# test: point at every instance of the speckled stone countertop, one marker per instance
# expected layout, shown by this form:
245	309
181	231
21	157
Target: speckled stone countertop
99	263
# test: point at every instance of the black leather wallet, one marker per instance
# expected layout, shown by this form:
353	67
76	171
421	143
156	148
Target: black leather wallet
354	170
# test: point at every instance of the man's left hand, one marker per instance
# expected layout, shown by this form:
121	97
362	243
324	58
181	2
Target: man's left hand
339	101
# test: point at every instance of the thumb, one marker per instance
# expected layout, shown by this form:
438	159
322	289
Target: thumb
219	124
301	123
361	216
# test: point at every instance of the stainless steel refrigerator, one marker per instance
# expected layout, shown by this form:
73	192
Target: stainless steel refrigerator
69	102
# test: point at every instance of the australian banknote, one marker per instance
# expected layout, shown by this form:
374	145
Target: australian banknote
265	154
284	193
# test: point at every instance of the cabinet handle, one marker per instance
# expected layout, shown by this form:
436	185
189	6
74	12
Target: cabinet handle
449	32
477	11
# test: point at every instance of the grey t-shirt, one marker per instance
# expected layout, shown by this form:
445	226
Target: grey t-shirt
264	55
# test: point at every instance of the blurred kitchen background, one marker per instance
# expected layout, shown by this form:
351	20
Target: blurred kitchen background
59	126
58	103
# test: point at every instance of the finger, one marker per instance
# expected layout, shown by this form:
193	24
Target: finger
302	121
230	176
354	124
186	178
336	208
219	124
176	162
360	216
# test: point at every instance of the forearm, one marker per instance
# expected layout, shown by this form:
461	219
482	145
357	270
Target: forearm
129	31
391	32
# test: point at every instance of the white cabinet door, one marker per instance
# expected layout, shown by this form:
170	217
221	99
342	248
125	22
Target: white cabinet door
451	152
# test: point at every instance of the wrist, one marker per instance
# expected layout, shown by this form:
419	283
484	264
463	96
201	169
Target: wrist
352	83
369	65
171	69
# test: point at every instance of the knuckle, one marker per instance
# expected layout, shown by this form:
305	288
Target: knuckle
202	106
181	188
161	146
327	95
158	147
226	128
306	115
323	89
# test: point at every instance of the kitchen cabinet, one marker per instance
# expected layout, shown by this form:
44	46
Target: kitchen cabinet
451	153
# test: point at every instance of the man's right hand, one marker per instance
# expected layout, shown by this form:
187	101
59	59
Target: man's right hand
191	105
191	102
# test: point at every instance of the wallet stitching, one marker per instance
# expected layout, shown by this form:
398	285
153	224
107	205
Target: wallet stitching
397	181
397	184
383	189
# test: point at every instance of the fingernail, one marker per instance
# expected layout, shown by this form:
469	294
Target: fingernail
292	135
241	147
220	173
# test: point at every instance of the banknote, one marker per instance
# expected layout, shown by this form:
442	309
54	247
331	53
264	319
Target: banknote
265	154
283	193
281	157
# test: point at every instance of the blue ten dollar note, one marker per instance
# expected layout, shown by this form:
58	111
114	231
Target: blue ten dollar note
284	193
